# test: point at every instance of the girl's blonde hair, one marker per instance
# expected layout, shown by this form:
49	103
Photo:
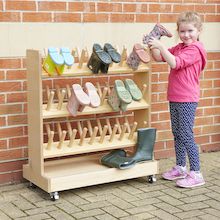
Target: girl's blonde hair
190	17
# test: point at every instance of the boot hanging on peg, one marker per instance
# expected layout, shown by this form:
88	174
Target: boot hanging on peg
118	123
109	125
61	98
144	89
72	137
94	134
99	89
63	136
104	95
79	126
124	128
59	130
50	100
133	129
89	127
126	121
114	131
99	126
82	137
69	128
68	90
123	56
50	140
105	129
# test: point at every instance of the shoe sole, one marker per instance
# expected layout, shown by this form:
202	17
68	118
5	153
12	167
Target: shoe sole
176	178
199	184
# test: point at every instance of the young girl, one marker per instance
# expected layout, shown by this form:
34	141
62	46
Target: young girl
186	60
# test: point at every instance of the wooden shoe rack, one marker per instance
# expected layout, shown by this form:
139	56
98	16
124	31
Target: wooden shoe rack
64	151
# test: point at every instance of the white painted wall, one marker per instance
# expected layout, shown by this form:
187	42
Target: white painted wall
15	38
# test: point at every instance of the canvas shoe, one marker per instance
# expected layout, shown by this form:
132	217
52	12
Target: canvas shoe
192	179
176	172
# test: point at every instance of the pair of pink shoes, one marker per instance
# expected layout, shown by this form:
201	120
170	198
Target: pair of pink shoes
184	179
80	99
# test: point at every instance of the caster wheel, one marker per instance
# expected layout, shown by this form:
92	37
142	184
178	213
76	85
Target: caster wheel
32	185
54	196
152	179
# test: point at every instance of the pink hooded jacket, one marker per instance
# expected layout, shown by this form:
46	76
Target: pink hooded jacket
183	83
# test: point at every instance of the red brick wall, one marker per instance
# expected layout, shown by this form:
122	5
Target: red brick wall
13	96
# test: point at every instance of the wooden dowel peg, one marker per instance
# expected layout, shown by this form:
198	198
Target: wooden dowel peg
82	137
109	125
108	87
75	54
105	91
59	130
145	123
47	91
123	56
99	126
133	129
61	98
58	91
63	136
50	100
50	140
48	130
115	128
99	89
105	129
69	128
94	133
68	90
124	128
144	89
79	126
72	137
89	127
126	121
119	126
82	58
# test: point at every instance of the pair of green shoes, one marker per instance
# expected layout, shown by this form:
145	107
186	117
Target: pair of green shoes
123	93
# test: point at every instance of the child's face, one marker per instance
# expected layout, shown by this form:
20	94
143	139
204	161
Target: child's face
188	33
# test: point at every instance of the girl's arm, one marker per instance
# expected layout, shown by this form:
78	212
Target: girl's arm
159	51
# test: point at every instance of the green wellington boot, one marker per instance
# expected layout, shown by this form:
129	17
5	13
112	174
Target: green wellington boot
118	159
145	144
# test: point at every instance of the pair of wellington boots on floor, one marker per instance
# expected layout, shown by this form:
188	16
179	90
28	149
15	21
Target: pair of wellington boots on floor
144	151
101	58
56	60
80	98
123	93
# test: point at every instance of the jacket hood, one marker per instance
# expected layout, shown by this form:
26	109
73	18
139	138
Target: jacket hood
202	51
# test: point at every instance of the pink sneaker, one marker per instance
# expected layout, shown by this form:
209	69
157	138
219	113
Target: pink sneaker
175	173
193	179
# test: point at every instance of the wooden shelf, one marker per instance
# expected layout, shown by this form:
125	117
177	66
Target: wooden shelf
105	108
75	71
86	147
85	171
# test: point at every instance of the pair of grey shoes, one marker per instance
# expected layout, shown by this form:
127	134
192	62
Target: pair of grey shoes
144	151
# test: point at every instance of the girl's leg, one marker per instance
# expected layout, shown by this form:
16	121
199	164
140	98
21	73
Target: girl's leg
180	149
186	121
